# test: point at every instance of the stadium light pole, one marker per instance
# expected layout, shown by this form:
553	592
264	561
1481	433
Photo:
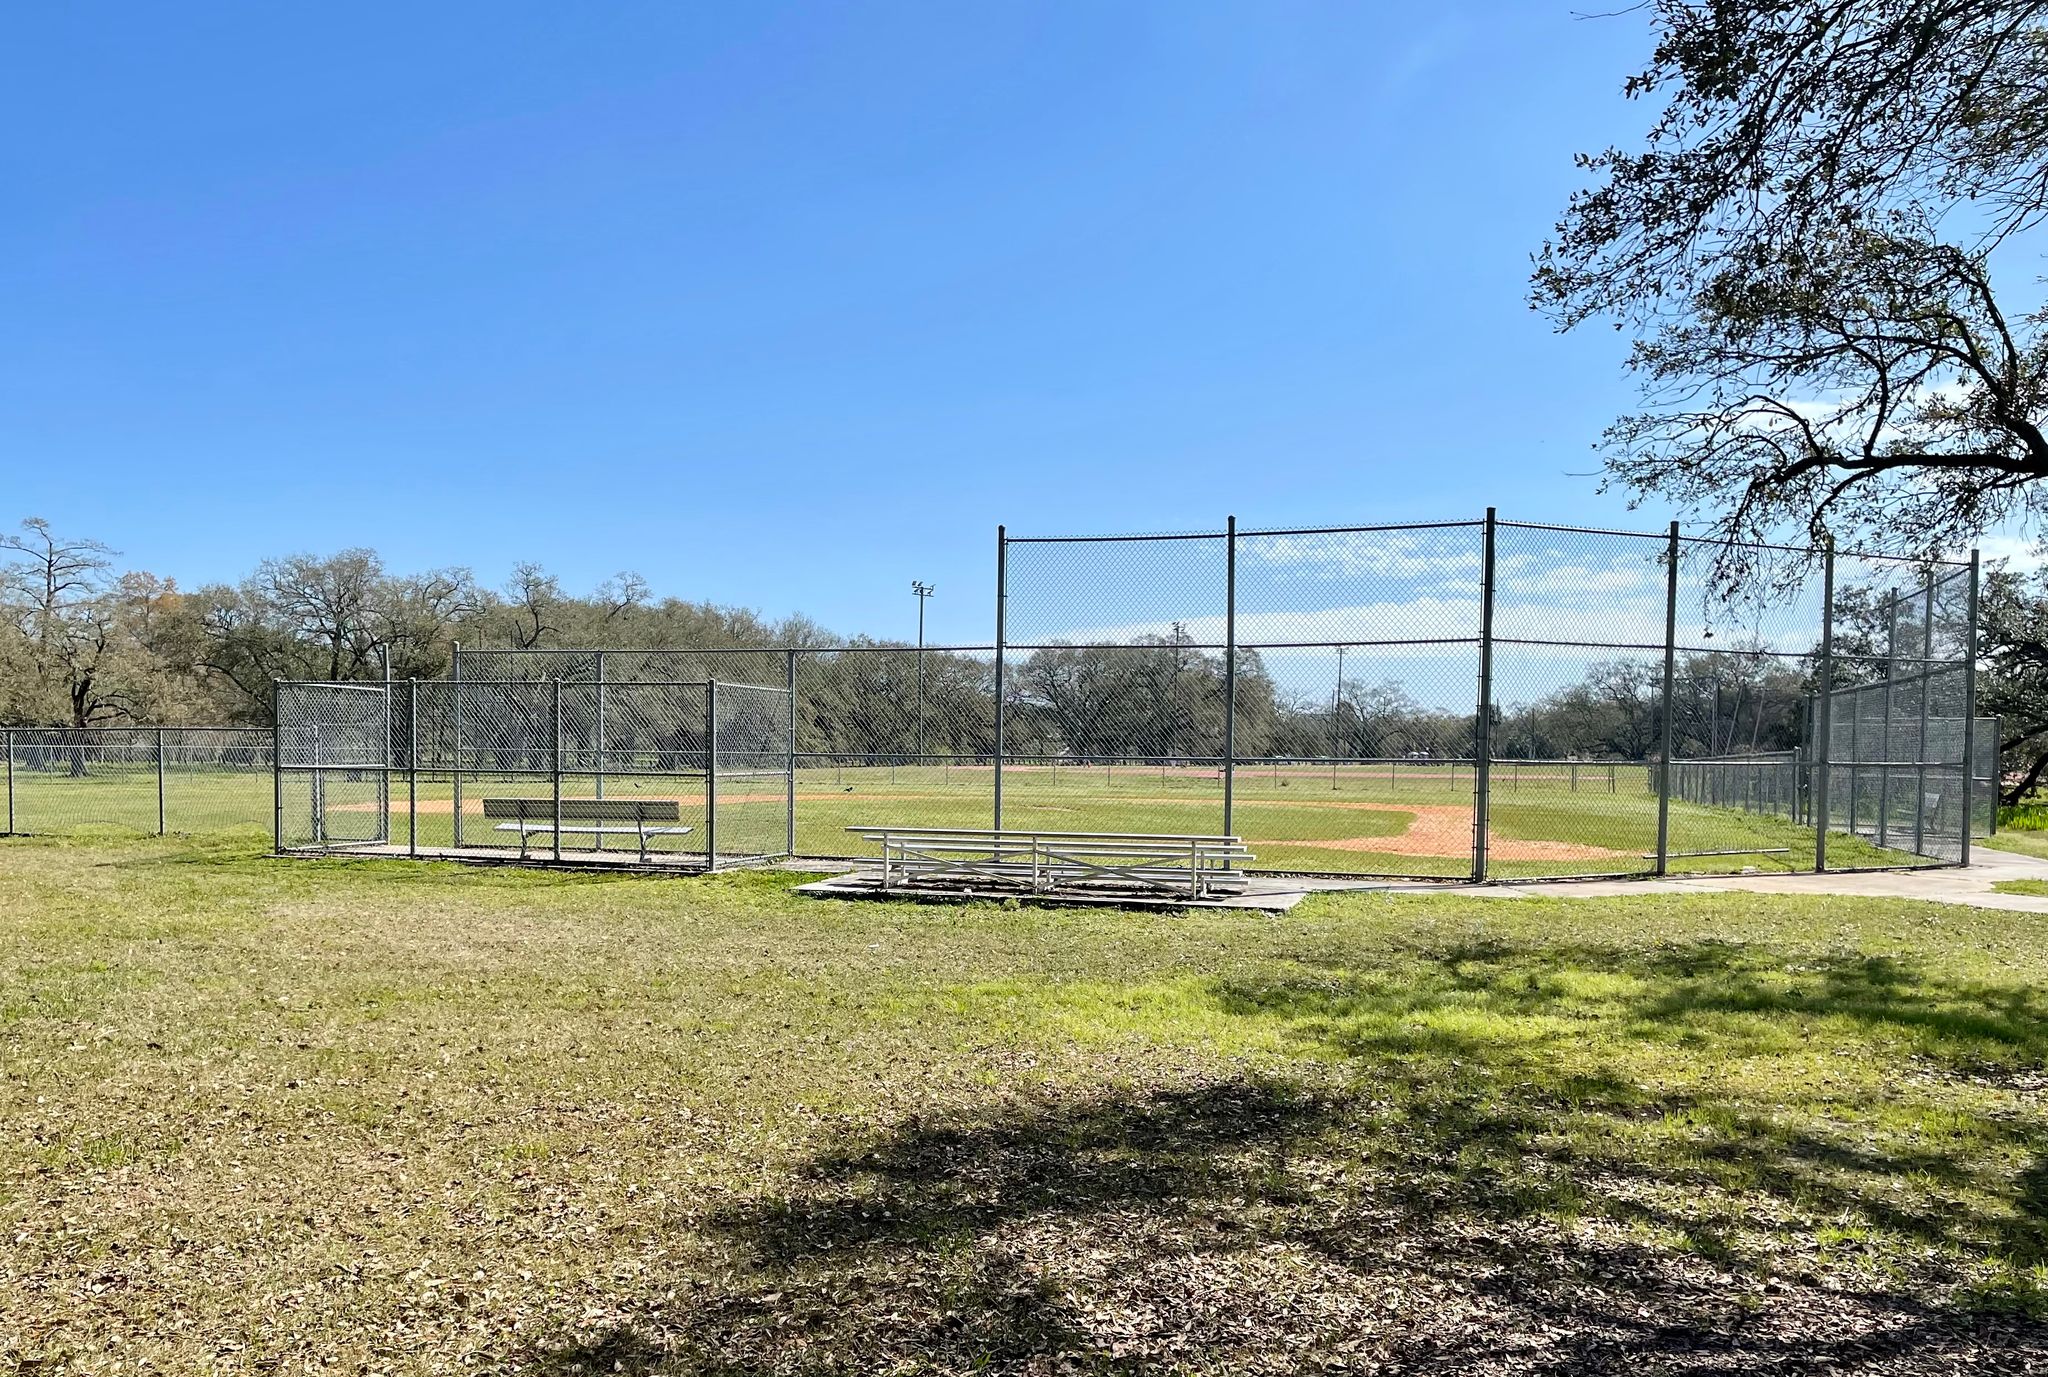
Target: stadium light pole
923	591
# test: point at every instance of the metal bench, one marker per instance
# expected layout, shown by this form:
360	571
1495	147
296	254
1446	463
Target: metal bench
1194	867
532	817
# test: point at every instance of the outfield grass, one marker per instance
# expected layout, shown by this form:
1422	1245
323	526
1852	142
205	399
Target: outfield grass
1402	818
2025	843
269	1115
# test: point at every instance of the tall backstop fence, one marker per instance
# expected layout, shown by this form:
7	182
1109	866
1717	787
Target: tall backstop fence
691	774
1496	699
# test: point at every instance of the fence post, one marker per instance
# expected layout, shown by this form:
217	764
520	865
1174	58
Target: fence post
1482	746
1855	759
789	813
455	740
1969	712
555	704
160	781
1670	683
596	741
412	767
1002	607
276	774
1229	675
711	774
1891	677
1824	752
1920	746
1997	775
318	792
7	748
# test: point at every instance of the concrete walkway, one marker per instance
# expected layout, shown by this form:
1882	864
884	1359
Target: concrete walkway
1946	886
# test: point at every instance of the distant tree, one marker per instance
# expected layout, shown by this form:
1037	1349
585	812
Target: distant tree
337	617
533	606
2013	686
58	595
1804	250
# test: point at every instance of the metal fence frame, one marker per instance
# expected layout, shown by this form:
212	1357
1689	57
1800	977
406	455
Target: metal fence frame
1485	705
171	762
971	720
550	758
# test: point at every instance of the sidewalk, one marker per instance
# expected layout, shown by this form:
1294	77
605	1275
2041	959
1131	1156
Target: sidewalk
1946	886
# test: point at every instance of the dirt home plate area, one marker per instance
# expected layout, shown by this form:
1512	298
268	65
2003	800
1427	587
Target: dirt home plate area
1434	829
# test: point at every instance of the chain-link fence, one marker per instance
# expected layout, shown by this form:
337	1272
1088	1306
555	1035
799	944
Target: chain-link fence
878	727
143	779
697	775
1488	699
1898	714
1319	692
1468	699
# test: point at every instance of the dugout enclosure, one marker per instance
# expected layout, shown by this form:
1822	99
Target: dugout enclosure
672	775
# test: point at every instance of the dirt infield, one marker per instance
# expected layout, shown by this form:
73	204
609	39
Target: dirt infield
1446	830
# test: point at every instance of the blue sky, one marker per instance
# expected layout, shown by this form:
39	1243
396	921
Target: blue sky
784	306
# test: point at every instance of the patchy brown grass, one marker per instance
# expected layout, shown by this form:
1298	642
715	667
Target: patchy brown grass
276	1116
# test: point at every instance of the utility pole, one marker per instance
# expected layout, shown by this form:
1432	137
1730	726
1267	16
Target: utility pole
922	591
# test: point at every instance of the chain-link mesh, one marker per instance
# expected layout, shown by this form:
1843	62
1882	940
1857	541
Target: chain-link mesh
1114	709
57	780
1578	628
1346	735
1357	674
753	782
878	726
541	768
333	765
1744	661
1394	685
1897	710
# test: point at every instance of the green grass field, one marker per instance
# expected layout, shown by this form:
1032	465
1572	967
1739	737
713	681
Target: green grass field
1406	819
281	1115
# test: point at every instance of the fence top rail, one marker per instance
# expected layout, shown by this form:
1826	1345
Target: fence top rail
1723	542
1581	530
140	727
1663	535
623	684
1114	539
566	651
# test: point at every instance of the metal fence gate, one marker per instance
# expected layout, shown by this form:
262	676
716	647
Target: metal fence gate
333	765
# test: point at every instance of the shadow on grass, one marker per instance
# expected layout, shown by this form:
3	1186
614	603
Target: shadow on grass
1464	1198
